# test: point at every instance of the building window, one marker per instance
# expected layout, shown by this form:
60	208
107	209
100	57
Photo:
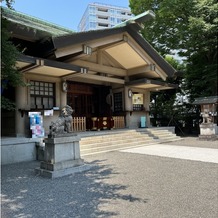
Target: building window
92	10
42	95
118	102
92	25
103	9
119	20
92	17
102	24
113	20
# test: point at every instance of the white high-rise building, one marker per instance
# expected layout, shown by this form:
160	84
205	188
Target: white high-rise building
98	16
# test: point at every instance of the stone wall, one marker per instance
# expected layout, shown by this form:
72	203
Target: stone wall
15	150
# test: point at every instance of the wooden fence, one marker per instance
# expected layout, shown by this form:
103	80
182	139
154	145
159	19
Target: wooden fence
79	124
119	122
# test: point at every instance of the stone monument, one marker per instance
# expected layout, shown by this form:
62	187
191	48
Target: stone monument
62	148
208	127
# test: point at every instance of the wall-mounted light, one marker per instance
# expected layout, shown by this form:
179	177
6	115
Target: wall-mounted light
130	93
64	86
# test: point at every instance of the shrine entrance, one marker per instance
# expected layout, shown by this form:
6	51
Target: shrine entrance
89	101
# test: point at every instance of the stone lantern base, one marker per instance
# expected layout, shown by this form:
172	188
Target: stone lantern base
207	131
61	157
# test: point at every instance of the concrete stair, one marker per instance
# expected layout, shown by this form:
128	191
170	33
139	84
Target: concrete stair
119	140
162	135
116	140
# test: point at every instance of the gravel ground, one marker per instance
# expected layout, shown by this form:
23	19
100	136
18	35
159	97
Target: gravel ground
195	142
123	185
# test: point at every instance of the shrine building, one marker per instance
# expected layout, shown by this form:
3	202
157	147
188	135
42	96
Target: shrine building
105	75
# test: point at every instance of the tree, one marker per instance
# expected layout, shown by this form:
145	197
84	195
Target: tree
162	103
201	76
9	3
190	28
10	76
168	31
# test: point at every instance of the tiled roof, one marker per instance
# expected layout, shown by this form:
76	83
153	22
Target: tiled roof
34	23
206	100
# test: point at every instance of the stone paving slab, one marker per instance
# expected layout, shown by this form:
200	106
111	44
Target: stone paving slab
182	152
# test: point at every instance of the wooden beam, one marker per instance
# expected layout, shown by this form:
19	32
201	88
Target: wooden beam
68	50
60	52
91	76
143	69
110	59
101	68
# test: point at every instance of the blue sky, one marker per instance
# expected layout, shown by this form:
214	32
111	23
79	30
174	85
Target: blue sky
66	13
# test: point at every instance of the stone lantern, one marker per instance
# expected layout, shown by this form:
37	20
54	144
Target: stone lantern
208	128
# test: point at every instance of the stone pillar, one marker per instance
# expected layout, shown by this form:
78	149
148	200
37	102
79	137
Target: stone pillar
127	100
128	106
20	115
61	157
146	106
63	97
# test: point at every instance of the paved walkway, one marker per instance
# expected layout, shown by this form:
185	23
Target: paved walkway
182	152
120	185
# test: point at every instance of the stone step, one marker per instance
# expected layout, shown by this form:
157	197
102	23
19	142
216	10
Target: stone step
109	141
116	142
95	150
109	133
161	133
170	139
94	140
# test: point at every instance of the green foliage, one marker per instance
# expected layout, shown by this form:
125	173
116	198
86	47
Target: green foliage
7	104
9	55
189	27
9	3
169	29
10	76
201	76
162	106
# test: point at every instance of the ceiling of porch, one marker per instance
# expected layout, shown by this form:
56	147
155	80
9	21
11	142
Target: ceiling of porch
32	65
152	85
126	56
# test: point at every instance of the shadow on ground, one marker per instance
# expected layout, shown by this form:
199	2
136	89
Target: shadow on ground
25	194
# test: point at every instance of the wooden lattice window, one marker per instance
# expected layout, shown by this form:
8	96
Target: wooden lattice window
42	95
118	102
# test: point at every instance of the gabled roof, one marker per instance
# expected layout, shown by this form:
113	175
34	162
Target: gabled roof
116	53
206	100
82	37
